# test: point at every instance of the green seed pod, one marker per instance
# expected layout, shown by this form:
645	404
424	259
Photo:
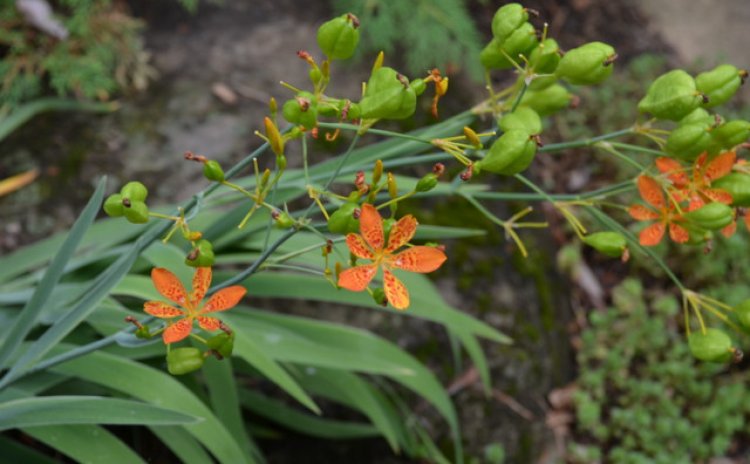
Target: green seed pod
712	216
671	96
212	171
688	141
492	56
589	64
418	85
330	108
342	220
547	101
355	111
738	185
386	96
719	84
511	153
222	343
713	346
202	255
379	296
698	115
730	134
338	38
184	360
134	191
507	19
137	212
523	118
284	220
498	53
315	76
113	205
302	110
611	244
545	57
427	183
143	333
742	311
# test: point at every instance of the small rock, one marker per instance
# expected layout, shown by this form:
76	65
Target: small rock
224	93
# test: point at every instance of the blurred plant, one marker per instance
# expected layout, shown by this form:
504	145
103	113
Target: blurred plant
428	33
101	53
641	397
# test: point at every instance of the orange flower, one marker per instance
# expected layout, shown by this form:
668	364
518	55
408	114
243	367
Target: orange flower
697	191
170	286
660	210
371	245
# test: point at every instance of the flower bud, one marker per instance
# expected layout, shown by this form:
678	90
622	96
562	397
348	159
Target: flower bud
377	172
392	187
184	360
671	96
274	137
338	38
212	171
611	244
589	64
472	137
712	346
719	84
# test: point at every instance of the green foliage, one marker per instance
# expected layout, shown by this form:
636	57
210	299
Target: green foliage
641	397
429	33
102	54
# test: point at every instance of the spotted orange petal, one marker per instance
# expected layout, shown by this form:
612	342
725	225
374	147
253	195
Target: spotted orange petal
201	282
162	310
169	285
178	331
395	291
721	165
673	170
358	246
357	278
402	232
421	259
642	213
747	220
719	195
371	226
208	323
650	191
696	202
224	299
678	234
652	235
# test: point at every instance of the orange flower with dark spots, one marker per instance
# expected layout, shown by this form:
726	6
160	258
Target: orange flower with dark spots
696	189
170	286
660	210
370	244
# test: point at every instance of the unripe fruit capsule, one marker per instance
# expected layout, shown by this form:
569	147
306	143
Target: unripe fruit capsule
671	96
738	185
713	346
134	191
719	84
589	64
137	212
212	171
611	244
338	38
712	216
184	360
113	205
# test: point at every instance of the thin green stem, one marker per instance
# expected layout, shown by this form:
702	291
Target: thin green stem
553	147
636	148
353	127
